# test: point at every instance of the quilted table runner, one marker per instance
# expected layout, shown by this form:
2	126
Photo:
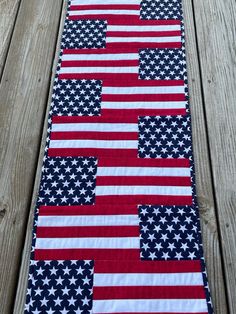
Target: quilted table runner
116	226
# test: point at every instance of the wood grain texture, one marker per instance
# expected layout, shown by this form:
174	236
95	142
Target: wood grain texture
23	98
23	278
216	36
8	14
210	232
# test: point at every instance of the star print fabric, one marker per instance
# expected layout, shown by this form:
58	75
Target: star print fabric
169	233
165	137
76	97
68	181
161	9
116	226
60	287
84	34
162	64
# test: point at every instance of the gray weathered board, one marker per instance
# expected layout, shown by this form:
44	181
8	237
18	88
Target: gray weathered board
31	29
23	99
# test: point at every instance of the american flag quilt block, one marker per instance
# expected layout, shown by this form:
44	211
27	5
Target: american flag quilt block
117	227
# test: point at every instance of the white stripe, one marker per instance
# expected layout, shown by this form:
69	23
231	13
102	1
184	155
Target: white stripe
92	69
98	127
87	243
99	57
100	2
143	90
143	190
143	171
93	144
98	12
90	220
171	39
150	306
143	279
142	28
143	105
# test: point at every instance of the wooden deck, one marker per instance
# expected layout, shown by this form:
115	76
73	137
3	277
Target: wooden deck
30	32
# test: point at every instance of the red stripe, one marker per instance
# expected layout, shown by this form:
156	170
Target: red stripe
98	76
145	199
88	210
143	162
126	20
110	17
160	181
144	97
145	44
87	232
135	21
100	63
87	254
108	118
148	292
143	34
143	83
89	51
105	7
112	267
144	112
91	152
94	135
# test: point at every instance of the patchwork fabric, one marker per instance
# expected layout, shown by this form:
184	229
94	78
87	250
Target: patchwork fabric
162	64
68	181
76	97
169	233
60	287
116	226
165	137
84	34
161	10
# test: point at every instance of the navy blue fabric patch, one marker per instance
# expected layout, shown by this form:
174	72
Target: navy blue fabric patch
161	10
76	97
60	287
169	233
165	137
162	64
68	181
84	34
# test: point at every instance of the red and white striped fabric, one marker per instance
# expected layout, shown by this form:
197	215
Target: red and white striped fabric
174	287
143	181
108	10
99	64
88	232
104	135
143	97
144	34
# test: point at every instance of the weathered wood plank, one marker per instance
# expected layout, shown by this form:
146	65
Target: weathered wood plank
23	98
216	34
23	278
8	13
203	174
